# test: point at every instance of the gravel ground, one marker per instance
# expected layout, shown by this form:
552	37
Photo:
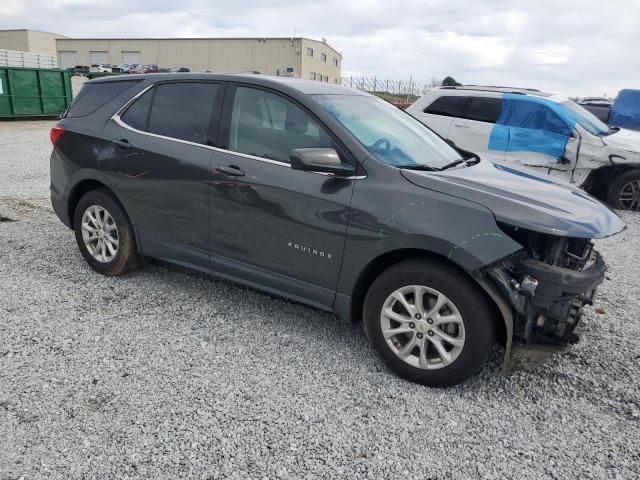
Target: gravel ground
166	373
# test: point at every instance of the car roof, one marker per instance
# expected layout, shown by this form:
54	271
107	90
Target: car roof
496	89
308	87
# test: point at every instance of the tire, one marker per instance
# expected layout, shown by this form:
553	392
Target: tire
464	312
624	191
117	257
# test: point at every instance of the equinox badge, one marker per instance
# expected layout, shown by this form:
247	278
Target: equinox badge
310	250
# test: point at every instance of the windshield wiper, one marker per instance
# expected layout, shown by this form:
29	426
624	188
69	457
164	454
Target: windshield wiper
418	167
472	159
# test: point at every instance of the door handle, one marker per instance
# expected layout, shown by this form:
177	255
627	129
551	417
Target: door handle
231	170
461	125
124	144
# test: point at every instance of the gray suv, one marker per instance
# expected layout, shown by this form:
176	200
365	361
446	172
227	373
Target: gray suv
334	198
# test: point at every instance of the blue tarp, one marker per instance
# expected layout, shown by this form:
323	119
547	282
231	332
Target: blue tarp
532	124
625	112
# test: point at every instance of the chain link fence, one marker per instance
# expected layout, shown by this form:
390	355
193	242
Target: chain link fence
398	88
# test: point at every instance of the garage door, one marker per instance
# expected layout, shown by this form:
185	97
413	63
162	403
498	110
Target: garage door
131	57
99	57
67	59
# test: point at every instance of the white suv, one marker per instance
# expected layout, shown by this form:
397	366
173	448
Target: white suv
101	68
540	130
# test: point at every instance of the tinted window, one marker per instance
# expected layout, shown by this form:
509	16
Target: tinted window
269	126
448	106
136	115
183	110
484	109
95	95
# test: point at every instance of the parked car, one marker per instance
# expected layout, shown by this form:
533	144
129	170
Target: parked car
335	198
152	68
546	132
79	70
623	113
136	68
100	68
600	107
596	101
123	68
179	70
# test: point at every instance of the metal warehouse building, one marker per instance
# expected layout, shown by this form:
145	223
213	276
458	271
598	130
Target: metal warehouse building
302	57
32	41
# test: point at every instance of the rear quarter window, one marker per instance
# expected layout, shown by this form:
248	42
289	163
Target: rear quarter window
183	110
137	114
95	95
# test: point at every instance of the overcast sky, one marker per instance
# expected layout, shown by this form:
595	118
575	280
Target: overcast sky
574	47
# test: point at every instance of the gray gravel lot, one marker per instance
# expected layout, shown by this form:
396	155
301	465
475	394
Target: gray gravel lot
166	373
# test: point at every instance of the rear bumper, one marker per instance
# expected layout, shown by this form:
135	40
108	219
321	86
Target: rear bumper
59	205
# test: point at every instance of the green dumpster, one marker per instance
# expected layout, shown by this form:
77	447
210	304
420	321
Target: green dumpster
30	92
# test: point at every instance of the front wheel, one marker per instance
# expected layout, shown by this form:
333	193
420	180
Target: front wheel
104	234
429	323
624	191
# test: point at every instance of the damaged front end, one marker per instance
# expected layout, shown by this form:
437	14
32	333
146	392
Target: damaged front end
546	285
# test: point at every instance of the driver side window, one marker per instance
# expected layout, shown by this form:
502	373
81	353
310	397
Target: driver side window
269	126
536	116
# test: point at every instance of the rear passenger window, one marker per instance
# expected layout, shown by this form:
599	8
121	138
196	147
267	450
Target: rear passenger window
450	106
137	114
95	95
183	110
484	109
269	126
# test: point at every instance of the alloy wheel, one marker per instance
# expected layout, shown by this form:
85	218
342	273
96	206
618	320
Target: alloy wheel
629	197
423	327
100	233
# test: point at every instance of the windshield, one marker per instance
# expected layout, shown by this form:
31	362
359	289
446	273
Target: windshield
586	119
389	134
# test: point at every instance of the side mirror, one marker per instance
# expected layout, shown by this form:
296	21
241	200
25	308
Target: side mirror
324	160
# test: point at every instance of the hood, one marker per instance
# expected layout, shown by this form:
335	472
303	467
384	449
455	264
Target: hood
525	199
628	140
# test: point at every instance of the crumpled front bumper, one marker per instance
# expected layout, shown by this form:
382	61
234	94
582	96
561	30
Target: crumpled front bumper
546	303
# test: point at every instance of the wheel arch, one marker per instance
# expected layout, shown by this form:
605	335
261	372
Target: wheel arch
382	262
599	179
90	184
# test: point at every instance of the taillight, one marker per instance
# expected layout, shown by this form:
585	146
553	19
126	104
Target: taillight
56	134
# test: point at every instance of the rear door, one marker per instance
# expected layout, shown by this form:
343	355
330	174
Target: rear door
475	127
160	162
270	224
441	113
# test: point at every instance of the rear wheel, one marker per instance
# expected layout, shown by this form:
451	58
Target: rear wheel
429	323
624	191
104	234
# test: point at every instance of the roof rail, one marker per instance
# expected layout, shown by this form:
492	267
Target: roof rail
513	90
506	88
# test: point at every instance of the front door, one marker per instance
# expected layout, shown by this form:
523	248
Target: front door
270	224
540	138
160	166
